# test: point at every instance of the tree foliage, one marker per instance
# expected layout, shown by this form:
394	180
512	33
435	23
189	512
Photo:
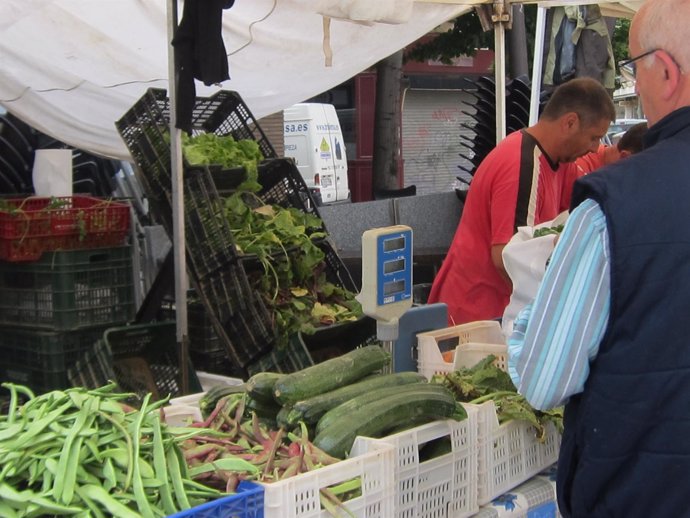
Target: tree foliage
463	39
620	39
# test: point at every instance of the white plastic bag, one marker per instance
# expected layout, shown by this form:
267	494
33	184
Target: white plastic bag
525	258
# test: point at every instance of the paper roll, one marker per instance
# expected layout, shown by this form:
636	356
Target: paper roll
52	173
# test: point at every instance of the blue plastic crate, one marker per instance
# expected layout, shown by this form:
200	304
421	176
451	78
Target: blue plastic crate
248	502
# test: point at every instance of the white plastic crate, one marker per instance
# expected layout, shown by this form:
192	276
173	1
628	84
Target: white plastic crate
430	346
298	496
441	487
181	415
510	453
209	380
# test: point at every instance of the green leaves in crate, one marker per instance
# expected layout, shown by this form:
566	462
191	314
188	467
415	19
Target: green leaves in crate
225	151
484	382
293	279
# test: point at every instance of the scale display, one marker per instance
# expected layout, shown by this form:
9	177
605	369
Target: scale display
386	272
394	268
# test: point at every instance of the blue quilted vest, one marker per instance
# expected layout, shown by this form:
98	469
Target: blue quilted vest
626	446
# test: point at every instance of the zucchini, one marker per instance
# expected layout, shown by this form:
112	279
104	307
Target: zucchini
209	400
350	406
260	385
376	418
310	410
281	417
330	374
261	408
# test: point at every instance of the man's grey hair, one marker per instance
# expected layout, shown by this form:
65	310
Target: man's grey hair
664	25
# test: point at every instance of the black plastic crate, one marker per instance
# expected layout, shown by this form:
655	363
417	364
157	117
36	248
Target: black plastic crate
336	271
202	336
145	129
292	358
216	362
209	241
94	368
41	359
69	289
145	359
245	334
282	184
226	292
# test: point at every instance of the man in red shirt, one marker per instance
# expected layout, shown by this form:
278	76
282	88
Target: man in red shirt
525	180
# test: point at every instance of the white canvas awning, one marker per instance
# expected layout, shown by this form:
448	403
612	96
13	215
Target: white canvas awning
70	68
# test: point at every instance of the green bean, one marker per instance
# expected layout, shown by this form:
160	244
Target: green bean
173	458
93	509
161	468
115	508
88	475
92	447
109	475
130	448
226	464
11	431
47	479
137	484
64	478
13	402
37	427
11	495
7	511
20	389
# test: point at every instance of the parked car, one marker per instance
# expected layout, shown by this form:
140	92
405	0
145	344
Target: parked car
618	128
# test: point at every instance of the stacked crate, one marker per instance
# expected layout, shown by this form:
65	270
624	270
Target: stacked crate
219	274
65	276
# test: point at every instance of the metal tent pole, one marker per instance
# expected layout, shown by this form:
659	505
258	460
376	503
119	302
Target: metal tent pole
500	15
177	206
537	65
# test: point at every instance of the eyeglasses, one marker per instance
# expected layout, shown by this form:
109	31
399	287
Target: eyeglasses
628	68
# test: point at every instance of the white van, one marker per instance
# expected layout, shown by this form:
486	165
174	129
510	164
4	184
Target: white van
313	137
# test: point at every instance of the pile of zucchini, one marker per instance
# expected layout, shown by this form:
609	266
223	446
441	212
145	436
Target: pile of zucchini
344	397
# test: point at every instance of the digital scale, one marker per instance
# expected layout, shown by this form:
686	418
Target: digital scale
387	280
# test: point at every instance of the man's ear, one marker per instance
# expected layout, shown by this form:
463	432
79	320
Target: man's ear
672	74
570	121
623	153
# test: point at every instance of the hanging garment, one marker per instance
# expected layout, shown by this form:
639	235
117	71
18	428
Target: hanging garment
200	53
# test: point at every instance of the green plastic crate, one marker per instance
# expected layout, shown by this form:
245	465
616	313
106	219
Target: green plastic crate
71	289
40	359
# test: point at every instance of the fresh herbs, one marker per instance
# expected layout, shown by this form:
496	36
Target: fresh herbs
292	275
485	381
545	231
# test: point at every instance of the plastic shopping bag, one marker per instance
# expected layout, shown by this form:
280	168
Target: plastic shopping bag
525	259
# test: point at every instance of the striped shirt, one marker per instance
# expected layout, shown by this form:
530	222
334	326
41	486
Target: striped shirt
557	336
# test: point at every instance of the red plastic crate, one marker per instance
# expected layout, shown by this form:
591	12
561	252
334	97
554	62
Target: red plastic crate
31	226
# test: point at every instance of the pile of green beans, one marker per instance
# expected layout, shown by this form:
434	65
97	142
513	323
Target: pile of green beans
82	453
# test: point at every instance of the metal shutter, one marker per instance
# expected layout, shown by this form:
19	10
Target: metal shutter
431	138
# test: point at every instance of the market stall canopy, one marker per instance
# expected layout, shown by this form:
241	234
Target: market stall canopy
70	68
